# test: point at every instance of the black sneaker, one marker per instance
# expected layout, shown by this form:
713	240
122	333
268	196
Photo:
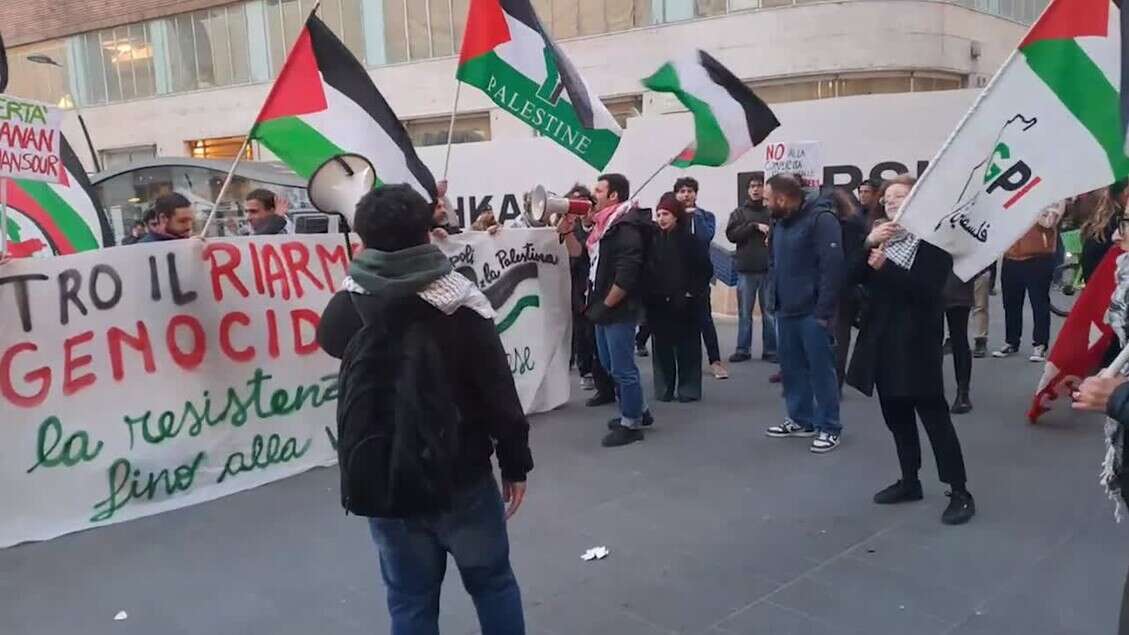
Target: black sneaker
1006	351
790	429
599	399
737	358
900	492
621	436
961	508
769	357
647	422
962	404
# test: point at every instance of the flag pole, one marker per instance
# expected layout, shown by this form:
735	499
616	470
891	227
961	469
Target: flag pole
226	183
1115	368
639	190
451	127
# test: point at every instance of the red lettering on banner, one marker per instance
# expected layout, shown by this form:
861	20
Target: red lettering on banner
245	355
117	337
257	269
298	317
272	334
72	384
14	135
275	272
188	360
338	256
297	257
41	375
226	270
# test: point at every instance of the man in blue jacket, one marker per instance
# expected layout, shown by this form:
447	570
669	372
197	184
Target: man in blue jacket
703	225
806	275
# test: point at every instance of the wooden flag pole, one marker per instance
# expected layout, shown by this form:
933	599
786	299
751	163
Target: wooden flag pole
3	216
451	127
226	183
639	190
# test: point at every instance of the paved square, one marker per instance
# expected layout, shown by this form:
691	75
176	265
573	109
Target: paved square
713	528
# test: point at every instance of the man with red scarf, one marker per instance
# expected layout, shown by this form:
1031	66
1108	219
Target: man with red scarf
617	236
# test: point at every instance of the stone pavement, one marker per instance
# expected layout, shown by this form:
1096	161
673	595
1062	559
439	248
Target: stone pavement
713	528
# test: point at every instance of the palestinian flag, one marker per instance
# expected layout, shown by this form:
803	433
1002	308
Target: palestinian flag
46	219
729	119
507	54
1048	126
324	104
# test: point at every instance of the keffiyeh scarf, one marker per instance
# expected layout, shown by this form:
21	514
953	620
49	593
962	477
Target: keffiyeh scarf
1117	317
902	249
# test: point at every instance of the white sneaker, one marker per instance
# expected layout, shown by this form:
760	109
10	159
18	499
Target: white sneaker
789	429
825	443
1039	354
587	383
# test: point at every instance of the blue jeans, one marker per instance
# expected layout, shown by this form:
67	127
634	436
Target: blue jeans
807	360
751	289
616	344
413	561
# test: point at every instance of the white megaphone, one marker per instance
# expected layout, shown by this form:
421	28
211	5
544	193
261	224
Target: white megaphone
338	185
544	206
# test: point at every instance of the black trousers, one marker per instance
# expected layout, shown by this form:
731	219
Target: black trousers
587	361
900	412
677	352
1032	278
957	318
1123	622
704	314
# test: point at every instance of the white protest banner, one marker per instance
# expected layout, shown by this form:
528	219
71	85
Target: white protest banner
796	157
30	141
141	379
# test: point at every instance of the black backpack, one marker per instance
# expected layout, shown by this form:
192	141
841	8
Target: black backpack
397	421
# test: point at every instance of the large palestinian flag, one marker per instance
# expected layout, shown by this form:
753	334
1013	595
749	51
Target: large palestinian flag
46	219
507	54
729	119
1048	126
324	104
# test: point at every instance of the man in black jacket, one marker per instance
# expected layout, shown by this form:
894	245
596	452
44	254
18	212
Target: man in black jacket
399	272
616	245
748	229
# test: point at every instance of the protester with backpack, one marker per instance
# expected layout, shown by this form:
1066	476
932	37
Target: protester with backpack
425	397
678	272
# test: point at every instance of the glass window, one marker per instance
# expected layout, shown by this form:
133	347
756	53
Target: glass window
873	85
623	108
213	46
566	19
937	82
433	131
419	29
235	18
218	148
395	31
93	69
272	17
705	8
41	82
117	158
791	91
352	27
442	38
461	7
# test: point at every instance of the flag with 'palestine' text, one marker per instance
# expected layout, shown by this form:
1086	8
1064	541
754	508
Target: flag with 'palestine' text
507	54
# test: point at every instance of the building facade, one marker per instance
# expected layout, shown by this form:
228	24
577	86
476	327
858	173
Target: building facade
186	78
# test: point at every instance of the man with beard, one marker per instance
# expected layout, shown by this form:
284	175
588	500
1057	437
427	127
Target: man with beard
263	213
748	229
807	275
171	218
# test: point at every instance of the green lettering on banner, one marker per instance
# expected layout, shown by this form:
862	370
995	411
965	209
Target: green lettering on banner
194	417
76	449
127	485
264	454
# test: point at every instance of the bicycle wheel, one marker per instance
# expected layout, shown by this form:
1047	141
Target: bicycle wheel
1063	290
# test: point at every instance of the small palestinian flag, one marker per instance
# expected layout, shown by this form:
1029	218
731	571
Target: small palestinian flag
324	104
1049	126
729	119
507	54
46	219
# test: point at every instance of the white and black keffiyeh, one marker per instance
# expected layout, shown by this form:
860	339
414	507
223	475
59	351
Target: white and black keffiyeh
448	294
902	249
1117	317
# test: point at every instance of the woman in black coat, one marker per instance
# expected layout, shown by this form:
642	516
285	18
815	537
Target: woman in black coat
678	270
899	352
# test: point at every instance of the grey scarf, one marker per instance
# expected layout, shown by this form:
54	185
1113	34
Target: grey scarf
1117	317
397	274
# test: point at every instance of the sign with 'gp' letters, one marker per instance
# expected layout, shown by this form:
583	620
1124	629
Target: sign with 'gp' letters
30	140
141	379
